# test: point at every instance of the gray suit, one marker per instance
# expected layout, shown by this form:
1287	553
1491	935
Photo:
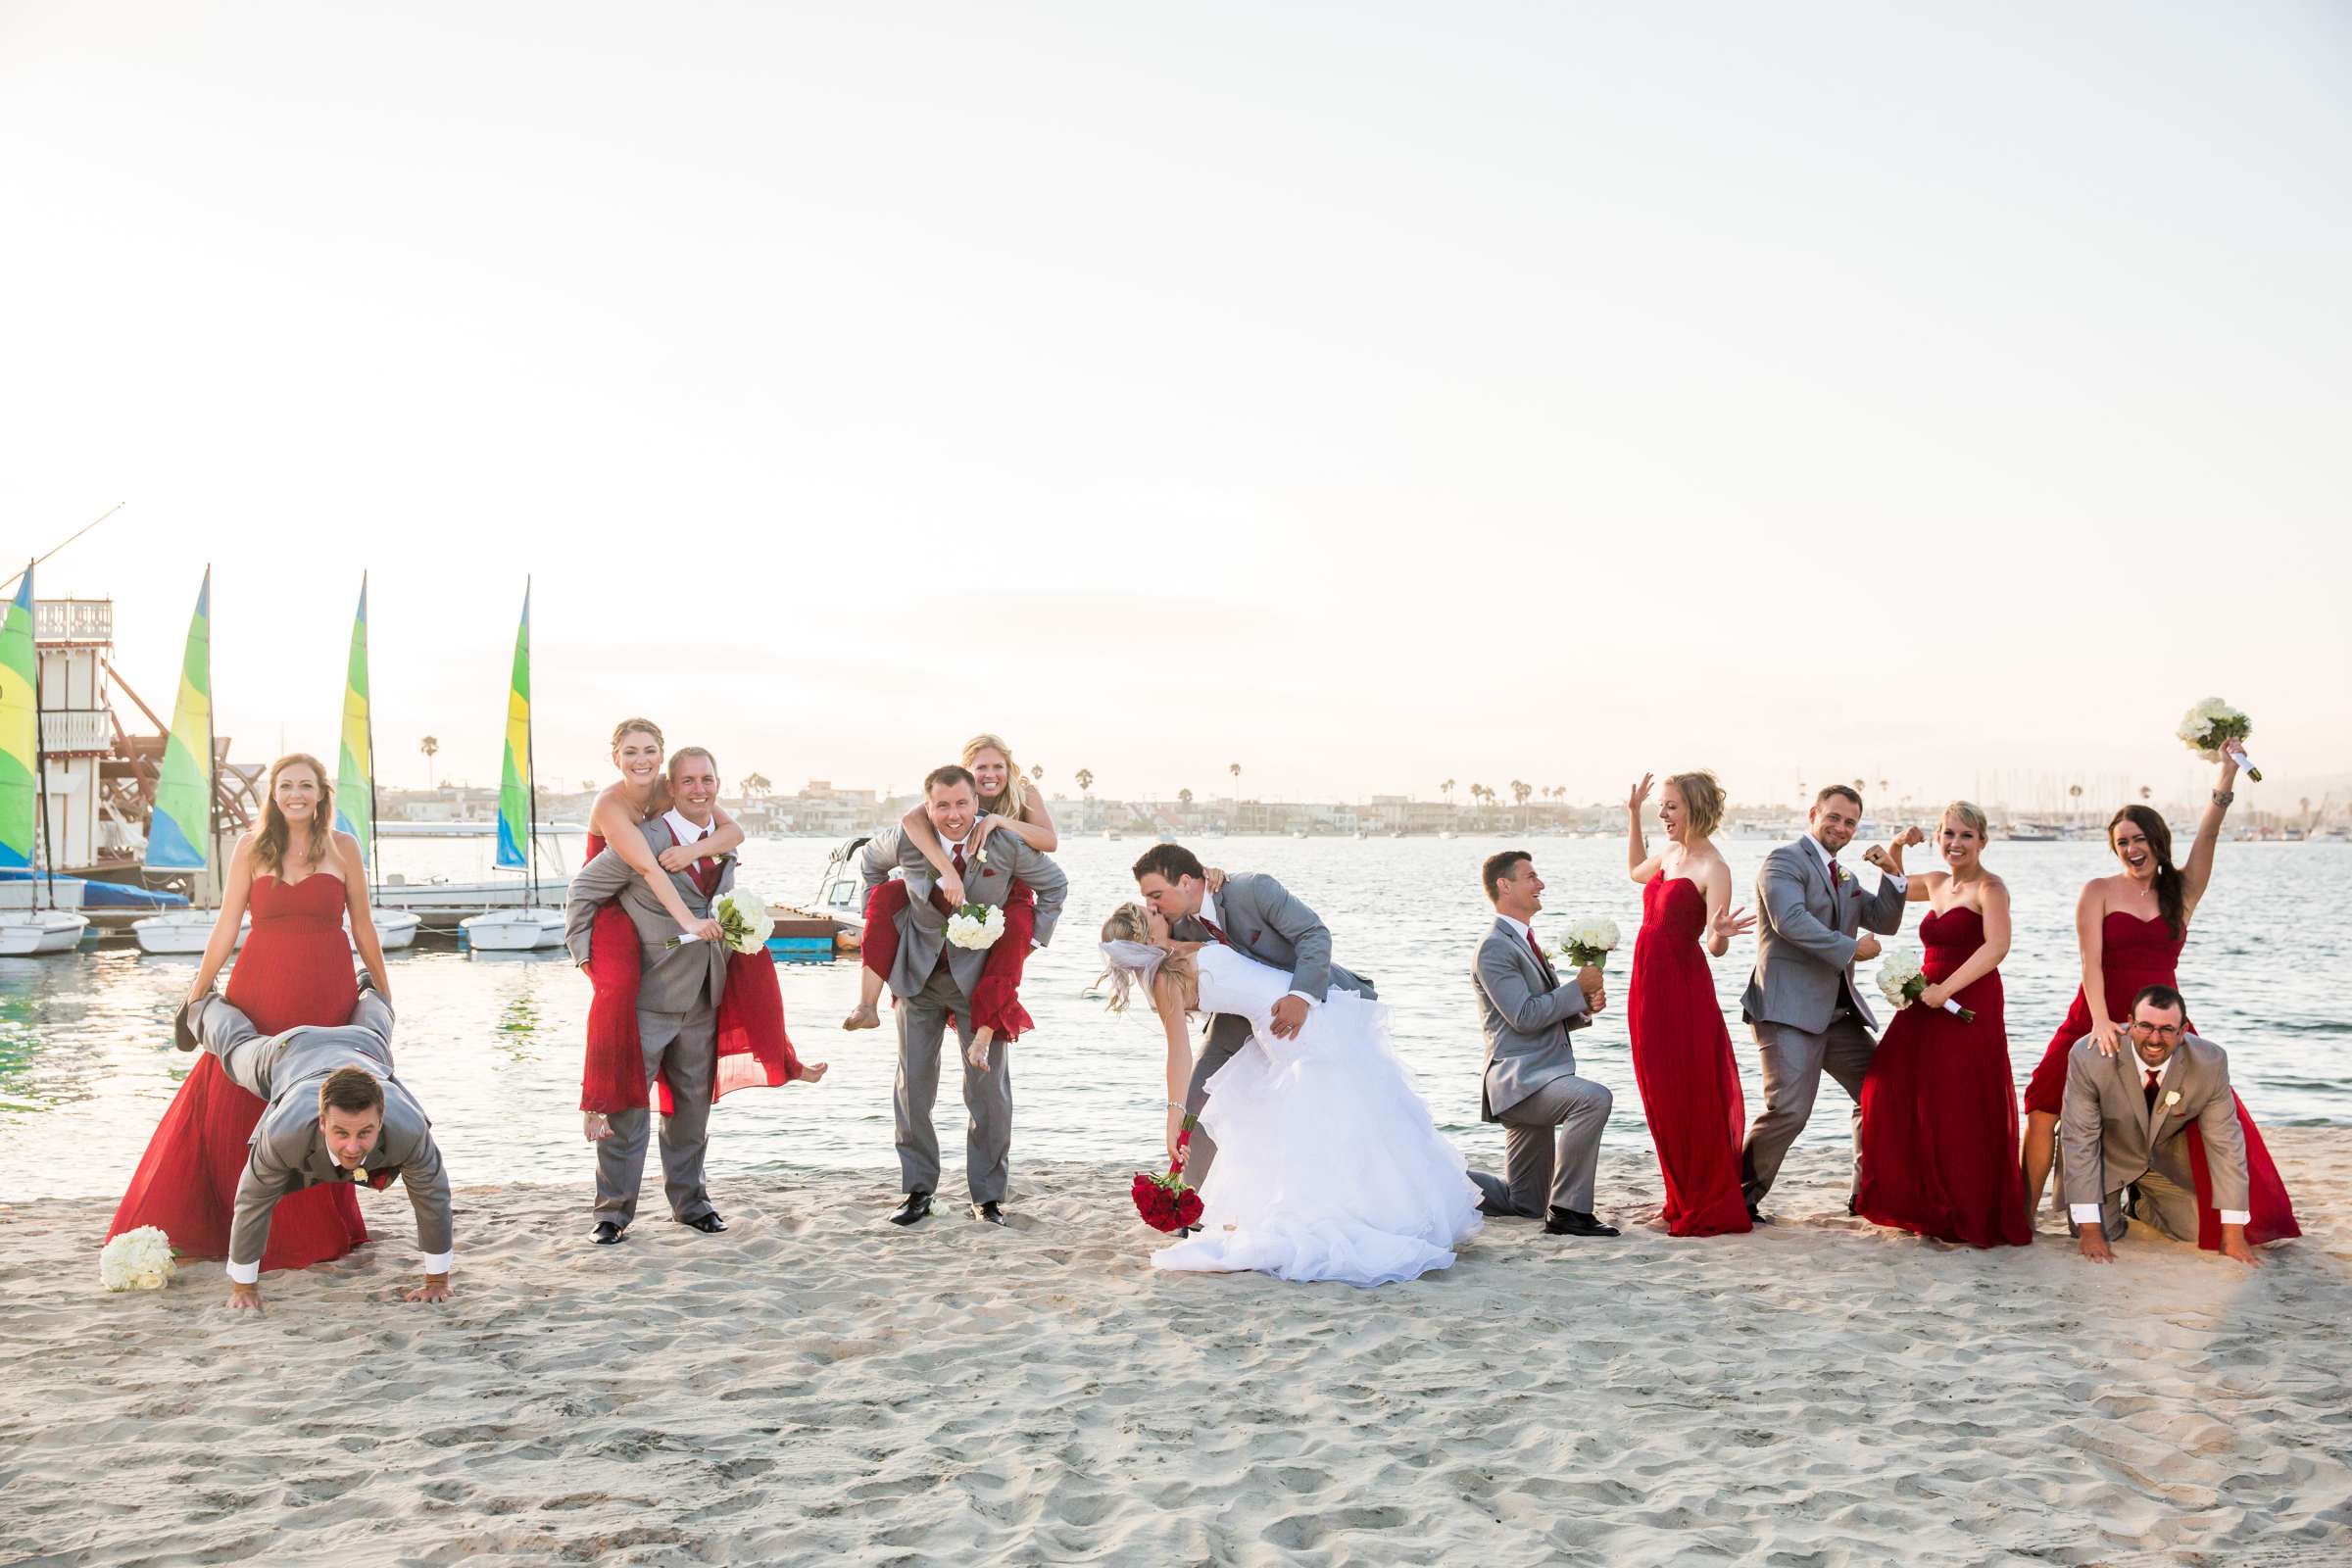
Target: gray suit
1551	1119
286	1153
677	1027
1261	918
2131	1158
1801	1001
934	980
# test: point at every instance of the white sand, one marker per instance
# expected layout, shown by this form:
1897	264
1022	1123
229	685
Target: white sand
818	1386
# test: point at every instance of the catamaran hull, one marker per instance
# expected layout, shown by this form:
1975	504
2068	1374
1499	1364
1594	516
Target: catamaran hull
40	931
514	930
183	932
395	929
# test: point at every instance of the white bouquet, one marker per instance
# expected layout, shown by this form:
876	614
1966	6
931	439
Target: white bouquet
744	922
137	1260
2213	728
1590	942
1902	982
976	927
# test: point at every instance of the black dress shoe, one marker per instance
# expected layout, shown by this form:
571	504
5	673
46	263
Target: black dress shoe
182	1035
989	1211
709	1224
605	1234
1756	1215
915	1206
1575	1222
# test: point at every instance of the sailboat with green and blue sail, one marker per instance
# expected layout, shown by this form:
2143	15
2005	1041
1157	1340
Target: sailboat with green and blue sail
183	835
25	842
355	785
529	926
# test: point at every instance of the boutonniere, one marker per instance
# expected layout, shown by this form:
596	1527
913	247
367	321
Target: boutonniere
2172	1097
1844	877
982	857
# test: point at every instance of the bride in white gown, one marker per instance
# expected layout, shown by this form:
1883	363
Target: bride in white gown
1328	1164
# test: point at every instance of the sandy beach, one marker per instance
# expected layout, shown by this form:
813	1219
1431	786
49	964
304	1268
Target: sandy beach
816	1385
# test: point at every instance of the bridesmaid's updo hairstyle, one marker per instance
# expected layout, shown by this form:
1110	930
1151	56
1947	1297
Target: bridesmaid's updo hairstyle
1015	799
270	844
1970	816
630	726
1703	802
2160	844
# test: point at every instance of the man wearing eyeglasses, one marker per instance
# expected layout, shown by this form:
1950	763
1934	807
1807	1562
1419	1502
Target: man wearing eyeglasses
2124	1133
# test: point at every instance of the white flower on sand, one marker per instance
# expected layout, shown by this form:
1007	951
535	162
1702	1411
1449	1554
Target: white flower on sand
976	925
1591	942
2213	726
1896	970
137	1260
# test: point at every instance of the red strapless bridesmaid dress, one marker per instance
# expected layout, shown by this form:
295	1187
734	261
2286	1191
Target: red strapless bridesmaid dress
295	968
2135	954
613	1071
1682	1063
997	998
1940	1109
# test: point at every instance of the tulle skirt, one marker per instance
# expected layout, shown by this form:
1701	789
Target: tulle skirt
1328	1165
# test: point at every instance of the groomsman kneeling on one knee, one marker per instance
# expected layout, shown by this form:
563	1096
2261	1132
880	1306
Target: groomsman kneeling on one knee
1551	1119
2124	1133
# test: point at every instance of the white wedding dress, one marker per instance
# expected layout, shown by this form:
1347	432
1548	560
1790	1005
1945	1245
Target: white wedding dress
1328	1166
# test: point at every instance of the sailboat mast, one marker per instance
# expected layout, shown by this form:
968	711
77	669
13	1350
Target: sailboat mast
212	759
530	760
374	822
40	760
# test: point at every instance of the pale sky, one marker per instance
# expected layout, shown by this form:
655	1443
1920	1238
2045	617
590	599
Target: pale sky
1367	394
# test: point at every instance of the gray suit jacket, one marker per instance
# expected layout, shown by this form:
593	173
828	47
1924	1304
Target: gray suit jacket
1267	921
674	977
1805	940
1526	1019
924	930
2109	1137
286	1153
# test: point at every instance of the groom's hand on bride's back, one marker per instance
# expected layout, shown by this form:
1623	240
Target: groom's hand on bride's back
1597	995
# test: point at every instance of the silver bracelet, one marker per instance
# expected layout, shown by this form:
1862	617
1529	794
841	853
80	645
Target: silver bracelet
1177	1108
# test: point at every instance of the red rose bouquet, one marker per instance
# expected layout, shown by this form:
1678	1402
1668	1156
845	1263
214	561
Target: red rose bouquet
1165	1203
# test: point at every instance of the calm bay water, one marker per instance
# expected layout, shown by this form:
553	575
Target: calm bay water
492	1043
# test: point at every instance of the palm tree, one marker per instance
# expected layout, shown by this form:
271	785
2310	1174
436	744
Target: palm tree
2146	794
755	786
1521	789
431	748
1185	798
1086	781
1036	775
1447	789
2076	791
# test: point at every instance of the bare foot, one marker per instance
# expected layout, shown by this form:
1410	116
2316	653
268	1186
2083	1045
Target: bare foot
863	1017
811	1072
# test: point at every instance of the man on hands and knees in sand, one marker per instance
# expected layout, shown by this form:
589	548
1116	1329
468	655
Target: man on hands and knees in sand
337	1113
2124	1131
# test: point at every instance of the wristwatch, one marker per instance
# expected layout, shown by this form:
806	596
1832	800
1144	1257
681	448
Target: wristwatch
2223	798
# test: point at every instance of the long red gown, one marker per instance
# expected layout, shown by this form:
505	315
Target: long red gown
1682	1063
997	998
2135	954
1940	1109
295	968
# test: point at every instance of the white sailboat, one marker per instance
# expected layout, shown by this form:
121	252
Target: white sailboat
24	792
355	790
529	926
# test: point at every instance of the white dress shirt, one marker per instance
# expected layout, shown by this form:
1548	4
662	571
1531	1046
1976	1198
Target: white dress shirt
1208	913
688	833
2088	1213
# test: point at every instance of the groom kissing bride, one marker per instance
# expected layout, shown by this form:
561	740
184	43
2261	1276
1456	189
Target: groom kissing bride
1315	1157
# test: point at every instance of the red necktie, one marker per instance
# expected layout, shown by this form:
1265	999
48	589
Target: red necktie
959	861
706	869
1832	874
1213	930
2150	1092
1542	962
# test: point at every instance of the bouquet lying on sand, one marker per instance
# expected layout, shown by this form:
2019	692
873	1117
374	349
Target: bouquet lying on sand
137	1260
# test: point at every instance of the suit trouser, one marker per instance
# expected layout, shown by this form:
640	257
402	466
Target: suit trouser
2157	1201
1550	1150
987	1095
1228	1033
682	1048
1793	1061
